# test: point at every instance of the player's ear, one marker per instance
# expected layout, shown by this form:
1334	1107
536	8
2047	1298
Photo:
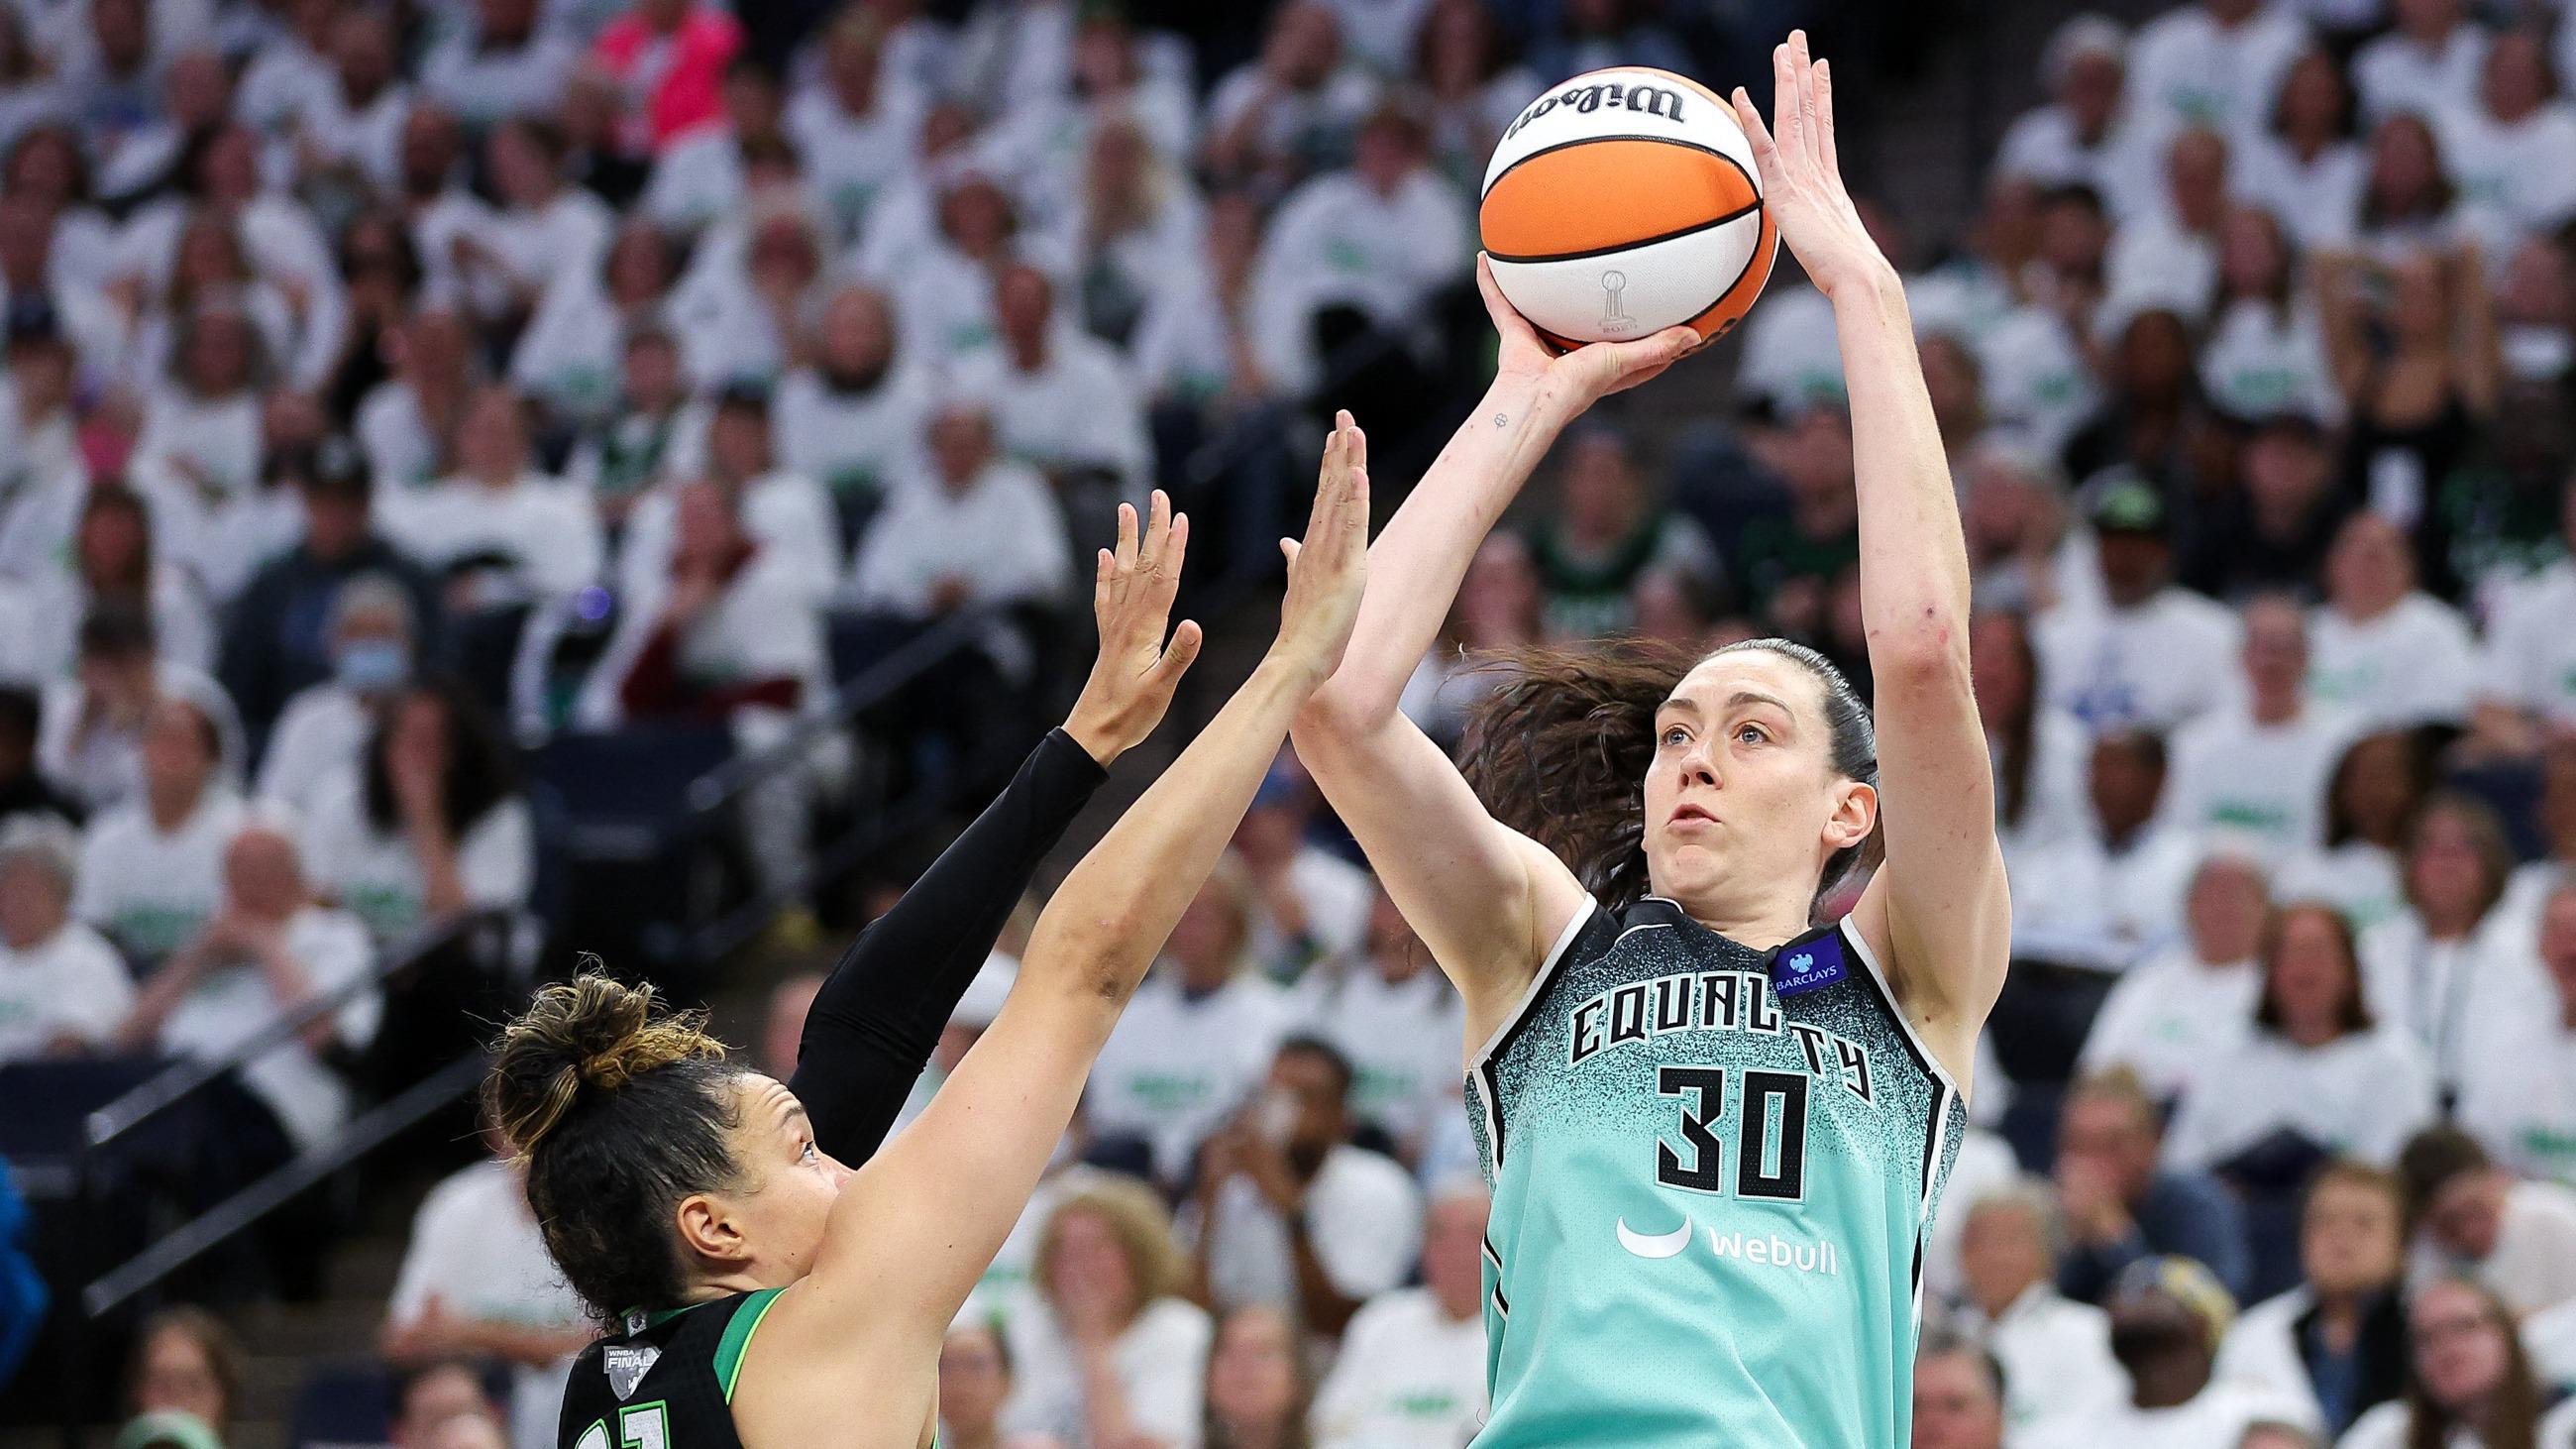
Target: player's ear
708	1229
1855	814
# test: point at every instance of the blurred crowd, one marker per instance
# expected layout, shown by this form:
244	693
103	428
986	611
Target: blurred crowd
392	388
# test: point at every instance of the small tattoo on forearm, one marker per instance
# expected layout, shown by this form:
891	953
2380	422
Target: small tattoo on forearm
1501	418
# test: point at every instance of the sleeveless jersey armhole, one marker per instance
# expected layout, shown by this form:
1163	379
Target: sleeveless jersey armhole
737	1336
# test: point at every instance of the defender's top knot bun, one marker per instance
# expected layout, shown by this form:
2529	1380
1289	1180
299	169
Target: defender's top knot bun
592	1034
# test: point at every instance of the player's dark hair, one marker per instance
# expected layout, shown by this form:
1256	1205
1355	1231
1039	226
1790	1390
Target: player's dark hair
2353	1015
1559	751
620	1110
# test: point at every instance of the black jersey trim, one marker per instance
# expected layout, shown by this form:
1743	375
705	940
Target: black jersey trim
1936	1131
1488	1082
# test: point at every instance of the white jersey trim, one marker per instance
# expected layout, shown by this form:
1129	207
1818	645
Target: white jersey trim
1887	989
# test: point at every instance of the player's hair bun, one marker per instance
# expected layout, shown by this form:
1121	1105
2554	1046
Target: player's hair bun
587	1036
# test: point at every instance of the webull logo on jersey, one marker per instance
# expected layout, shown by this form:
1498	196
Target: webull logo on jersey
1660	101
1764	1249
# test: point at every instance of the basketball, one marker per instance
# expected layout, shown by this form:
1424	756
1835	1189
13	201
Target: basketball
1622	202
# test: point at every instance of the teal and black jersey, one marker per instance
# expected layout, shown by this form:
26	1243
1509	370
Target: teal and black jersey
667	1382
1714	1169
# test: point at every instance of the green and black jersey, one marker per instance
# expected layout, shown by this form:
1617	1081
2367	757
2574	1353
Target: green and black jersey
666	1382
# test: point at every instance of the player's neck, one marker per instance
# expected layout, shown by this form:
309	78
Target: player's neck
1759	925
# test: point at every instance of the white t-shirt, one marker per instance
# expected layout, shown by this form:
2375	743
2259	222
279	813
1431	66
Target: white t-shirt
1079	409
544	527
2397	73
2530	658
1336	895
2058	1369
1363	1215
321	734
2044	146
1408	1377
2262	360
1336	239
233	1003
2263	785
104	766
850	161
2515	179
1003	535
2171	1016
2152	666
2549	1336
475	1244
2316	199
2450	994
72	984
1161	1363
2558	1426
2414	664
850	440
785	512
376	876
2076	901
2187	69
2261	1349
2357	878
1173	1067
2518	1095
2533	1266
150	890
2386	1426
1405	1041
1790	356
541	246
2361	1095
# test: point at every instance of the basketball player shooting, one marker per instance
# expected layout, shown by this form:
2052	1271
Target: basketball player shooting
1716	1129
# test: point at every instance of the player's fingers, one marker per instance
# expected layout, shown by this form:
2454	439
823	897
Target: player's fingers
1166	580
1158	529
1825	150
1178	655
1126	554
1766	151
1288	551
1499	310
1784	99
1802	66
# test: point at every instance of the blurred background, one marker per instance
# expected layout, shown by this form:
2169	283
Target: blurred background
483	481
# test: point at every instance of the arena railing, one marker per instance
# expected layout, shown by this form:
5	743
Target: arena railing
184	1083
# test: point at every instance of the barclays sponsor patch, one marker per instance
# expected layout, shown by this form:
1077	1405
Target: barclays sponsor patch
1808	964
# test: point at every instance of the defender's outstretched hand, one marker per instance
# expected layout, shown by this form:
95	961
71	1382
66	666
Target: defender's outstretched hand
1802	179
1132	587
1328	573
1578	379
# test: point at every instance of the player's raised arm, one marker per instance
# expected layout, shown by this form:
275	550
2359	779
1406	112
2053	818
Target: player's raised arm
877	1017
1485	899
1937	911
912	1232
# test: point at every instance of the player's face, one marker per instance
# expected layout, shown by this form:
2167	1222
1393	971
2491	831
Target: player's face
789	1183
1954	1405
1742	788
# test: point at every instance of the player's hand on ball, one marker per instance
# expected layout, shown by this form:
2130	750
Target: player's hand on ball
1802	178
1328	572
1578	379
1132	587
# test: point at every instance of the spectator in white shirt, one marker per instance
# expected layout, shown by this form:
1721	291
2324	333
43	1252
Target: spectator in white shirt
93	722
2056	1354
2528	688
2428	65
1411	1371
2174	1013
1109	1352
975	1381
782	510
699	178
1314	903
1258	1381
63	990
2512	147
1142	228
2381	648
200	438
2038	751
2168	1317
2104	897
851	418
430	825
2141	660
113	563
1193	1044
406	423
547	231
2320	1076
267	951
2472	1384
2217	63
2256	768
1958	1394
854	126
2451	965
1379	238
2081	137
1292	109
152	868
2515	1236
354	127
2371	800
1398	1020
323	730
476	1283
573	349
979	530
1289	1212
2304	165
2519	1096
2407	199
1062	400
2167	257
2266	353
498	64
2338	1339
500	531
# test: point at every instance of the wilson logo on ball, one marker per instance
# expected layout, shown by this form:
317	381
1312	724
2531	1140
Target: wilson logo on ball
1584	100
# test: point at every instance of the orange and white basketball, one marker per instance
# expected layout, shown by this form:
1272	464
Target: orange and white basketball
1625	201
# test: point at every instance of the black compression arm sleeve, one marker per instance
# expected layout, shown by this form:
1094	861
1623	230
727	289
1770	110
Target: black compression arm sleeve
872	1026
